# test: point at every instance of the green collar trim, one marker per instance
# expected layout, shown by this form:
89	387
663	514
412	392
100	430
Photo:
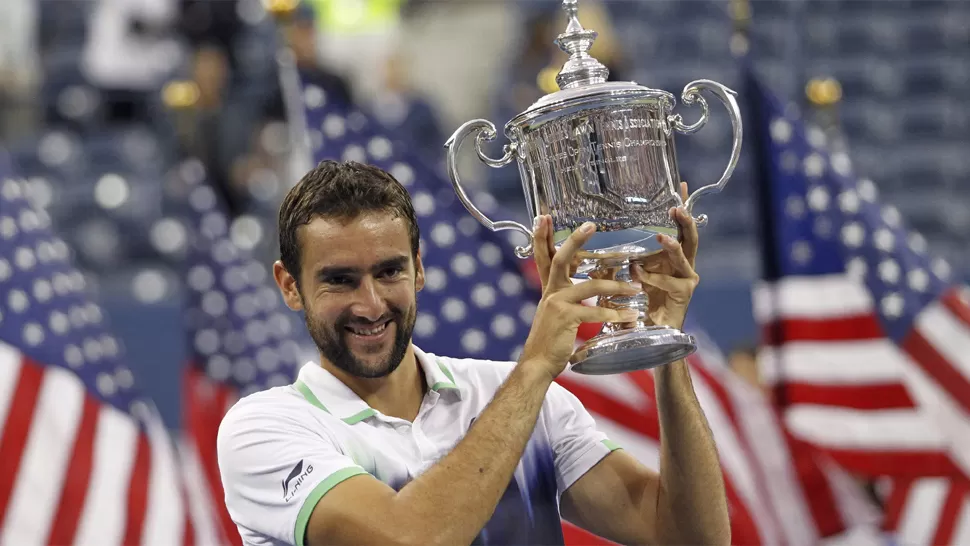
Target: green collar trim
308	394
370	412
450	384
359	416
312	399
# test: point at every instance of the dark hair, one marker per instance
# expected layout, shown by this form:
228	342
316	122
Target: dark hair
340	190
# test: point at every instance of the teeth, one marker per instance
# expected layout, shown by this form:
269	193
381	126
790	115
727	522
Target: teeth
370	332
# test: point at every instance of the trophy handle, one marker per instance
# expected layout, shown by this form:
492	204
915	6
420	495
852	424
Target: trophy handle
727	96
484	131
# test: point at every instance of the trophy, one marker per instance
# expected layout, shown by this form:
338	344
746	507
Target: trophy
603	152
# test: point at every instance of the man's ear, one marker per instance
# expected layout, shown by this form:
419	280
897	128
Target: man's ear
418	272
288	286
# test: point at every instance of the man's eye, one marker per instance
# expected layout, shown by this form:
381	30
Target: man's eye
392	272
338	280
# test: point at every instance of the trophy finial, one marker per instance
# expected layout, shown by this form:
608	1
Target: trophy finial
581	68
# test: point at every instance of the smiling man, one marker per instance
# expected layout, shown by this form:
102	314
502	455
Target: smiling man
382	443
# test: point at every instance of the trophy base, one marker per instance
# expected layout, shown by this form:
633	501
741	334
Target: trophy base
627	350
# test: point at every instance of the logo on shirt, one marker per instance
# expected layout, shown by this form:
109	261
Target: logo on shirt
295	478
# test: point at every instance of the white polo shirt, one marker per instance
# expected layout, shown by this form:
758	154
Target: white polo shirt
282	449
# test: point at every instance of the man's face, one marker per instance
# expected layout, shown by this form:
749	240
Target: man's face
359	288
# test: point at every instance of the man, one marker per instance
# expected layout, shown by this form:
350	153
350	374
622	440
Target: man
381	443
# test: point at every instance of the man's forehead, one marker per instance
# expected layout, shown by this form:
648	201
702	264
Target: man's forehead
377	223
359	242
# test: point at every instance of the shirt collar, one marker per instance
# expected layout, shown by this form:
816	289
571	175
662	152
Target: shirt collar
324	390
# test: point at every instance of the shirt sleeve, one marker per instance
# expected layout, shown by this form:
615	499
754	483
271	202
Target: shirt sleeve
274	470
577	444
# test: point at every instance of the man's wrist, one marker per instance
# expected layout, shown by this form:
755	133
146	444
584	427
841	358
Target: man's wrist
675	321
538	370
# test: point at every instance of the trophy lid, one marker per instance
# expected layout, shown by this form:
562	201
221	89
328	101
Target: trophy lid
582	77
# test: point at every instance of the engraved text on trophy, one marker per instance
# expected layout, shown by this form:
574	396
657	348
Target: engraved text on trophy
599	159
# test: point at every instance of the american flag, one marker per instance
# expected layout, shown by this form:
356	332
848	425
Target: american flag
84	456
866	337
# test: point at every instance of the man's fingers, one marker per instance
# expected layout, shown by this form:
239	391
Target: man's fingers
564	256
598	287
688	233
675	287
550	237
676	256
541	249
683	191
574	265
587	313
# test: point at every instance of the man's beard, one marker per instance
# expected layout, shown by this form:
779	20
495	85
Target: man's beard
332	342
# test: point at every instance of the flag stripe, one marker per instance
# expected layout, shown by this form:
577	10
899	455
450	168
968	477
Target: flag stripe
948	335
961	532
854	504
936	366
837	328
165	515
895	501
889	462
207	530
46	456
825	512
71	505
921	511
16	429
955	303
833	363
952	507
859	397
138	491
188	525
205	404
941	412
847	428
106	508
815	297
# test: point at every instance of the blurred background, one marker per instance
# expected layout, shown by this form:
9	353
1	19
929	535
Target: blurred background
108	106
159	137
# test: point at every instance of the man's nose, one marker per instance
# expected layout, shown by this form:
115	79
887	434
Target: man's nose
368	301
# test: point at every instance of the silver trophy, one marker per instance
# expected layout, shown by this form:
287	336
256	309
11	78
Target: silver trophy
603	152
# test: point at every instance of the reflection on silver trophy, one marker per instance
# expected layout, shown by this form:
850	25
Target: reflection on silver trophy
603	152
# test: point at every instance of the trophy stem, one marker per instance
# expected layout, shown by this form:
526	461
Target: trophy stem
630	346
638	302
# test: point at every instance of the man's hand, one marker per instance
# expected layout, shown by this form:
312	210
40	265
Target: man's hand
669	278
553	336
